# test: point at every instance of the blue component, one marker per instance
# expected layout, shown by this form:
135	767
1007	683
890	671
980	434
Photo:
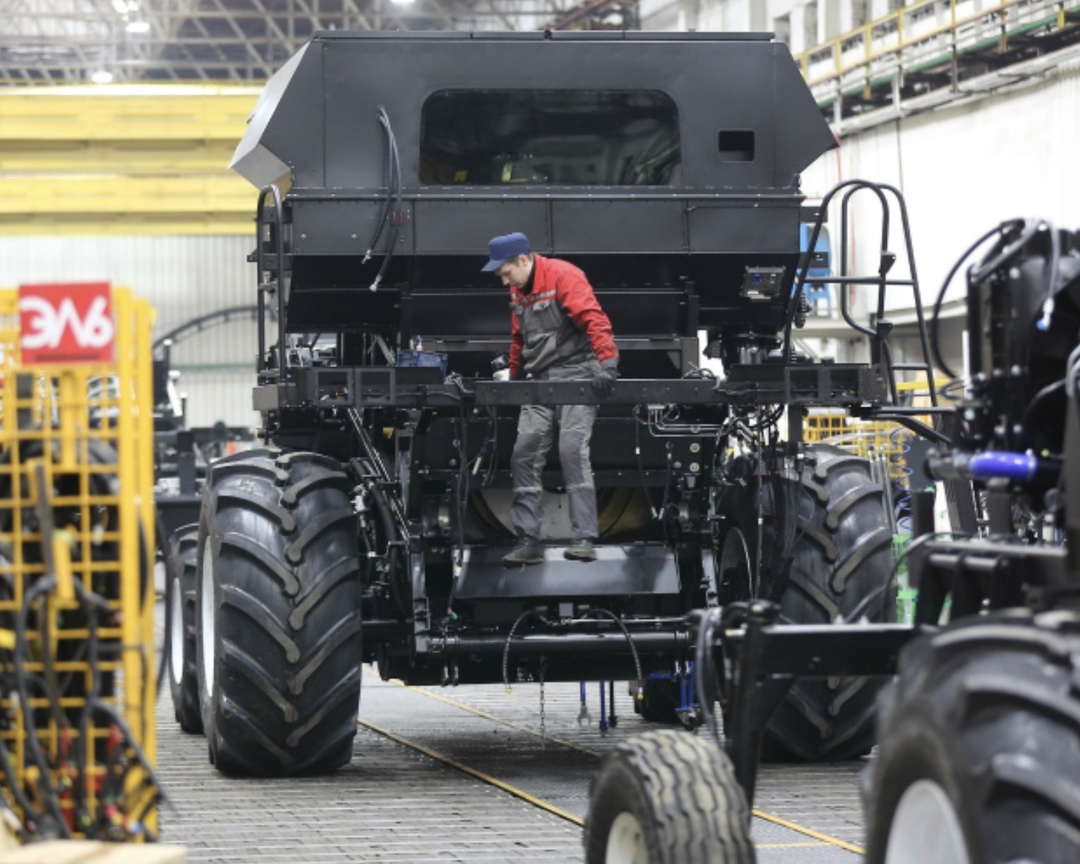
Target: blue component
686	688
820	262
1001	463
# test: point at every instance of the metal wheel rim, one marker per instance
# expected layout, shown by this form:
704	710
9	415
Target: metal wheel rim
176	632
926	827
626	841
207	636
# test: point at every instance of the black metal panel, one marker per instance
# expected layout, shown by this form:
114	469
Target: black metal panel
590	226
296	110
341	226
621	570
745	227
461	314
840	385
460	227
325	124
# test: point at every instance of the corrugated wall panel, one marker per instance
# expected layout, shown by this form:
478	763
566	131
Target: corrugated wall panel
184	277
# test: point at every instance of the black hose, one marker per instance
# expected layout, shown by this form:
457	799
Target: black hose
630	641
935	347
528	613
705	669
43	586
384	120
397	216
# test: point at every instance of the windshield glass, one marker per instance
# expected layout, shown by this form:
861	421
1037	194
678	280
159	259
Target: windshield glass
550	137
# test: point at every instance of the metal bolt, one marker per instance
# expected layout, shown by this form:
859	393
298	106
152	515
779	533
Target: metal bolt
695	447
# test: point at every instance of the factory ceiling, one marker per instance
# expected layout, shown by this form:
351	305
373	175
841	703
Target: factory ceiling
238	41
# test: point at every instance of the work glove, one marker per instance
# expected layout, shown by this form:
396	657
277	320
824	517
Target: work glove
603	382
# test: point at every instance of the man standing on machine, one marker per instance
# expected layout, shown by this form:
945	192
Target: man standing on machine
558	333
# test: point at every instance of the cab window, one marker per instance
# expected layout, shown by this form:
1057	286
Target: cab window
549	137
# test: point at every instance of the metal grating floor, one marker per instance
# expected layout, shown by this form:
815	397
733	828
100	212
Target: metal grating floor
397	803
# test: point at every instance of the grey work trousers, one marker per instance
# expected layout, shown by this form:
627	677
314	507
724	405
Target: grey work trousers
536	428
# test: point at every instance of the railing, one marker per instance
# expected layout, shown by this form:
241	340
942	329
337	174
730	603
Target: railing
920	36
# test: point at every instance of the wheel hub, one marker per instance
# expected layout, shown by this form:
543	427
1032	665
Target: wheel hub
626	841
176	632
926	827
207	636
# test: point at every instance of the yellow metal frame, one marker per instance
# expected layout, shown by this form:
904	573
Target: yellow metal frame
886	40
870	438
106	542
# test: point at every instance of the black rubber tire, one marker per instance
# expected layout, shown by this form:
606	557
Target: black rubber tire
180	597
841	570
682	792
986	709
278	600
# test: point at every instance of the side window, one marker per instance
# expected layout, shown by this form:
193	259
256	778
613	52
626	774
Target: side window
549	137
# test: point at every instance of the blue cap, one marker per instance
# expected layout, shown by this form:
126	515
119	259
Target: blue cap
505	247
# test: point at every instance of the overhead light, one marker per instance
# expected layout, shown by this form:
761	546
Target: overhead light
138	26
101	76
403	2
120	6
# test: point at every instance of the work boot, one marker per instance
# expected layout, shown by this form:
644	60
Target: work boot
580	550
528	551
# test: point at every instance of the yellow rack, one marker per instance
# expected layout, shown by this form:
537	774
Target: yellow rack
77	524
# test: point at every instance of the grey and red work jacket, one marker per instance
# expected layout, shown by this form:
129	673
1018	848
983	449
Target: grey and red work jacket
558	321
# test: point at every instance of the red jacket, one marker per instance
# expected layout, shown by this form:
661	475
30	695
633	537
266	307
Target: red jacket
559	320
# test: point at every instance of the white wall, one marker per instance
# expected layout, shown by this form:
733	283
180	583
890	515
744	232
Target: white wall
966	168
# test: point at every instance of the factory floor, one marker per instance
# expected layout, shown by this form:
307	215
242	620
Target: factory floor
468	774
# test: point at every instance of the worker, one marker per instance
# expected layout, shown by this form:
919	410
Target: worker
558	333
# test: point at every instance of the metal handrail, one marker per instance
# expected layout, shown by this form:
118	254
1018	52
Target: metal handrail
866	33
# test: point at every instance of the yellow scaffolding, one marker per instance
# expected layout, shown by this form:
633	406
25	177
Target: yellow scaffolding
76	580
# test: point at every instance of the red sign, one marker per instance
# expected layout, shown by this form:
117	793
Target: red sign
70	323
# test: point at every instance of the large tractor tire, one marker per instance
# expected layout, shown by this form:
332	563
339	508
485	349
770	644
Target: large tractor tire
841	570
667	797
180	595
826	558
279	614
979	758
